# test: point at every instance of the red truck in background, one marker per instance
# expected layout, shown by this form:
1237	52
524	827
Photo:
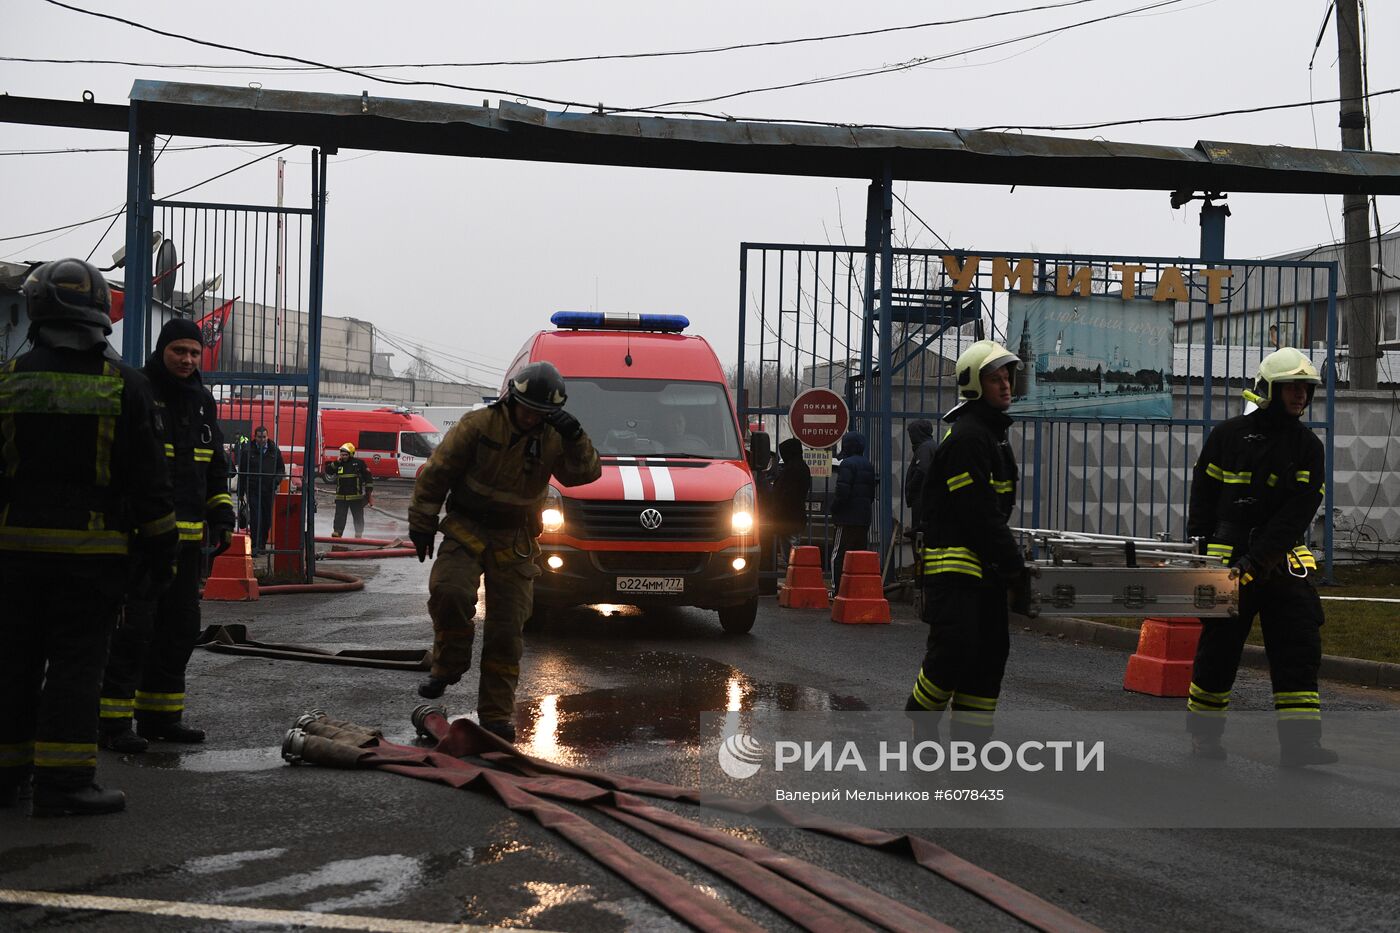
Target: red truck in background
673	519
394	442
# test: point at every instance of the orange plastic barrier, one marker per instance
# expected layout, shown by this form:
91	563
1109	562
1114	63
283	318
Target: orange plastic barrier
804	587
862	597
232	579
1162	665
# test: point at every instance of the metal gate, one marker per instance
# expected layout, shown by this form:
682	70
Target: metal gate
251	277
824	316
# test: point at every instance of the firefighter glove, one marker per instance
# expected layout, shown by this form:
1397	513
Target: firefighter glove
1245	570
220	536
566	424
422	543
1018	592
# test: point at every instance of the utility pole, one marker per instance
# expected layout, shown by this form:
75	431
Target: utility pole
1360	310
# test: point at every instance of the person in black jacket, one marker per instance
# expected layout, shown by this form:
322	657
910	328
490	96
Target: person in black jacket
86	515
1254	492
921	447
354	489
792	483
260	469
152	645
970	556
852	503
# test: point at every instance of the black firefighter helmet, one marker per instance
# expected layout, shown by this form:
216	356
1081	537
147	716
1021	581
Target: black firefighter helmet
70	303
538	386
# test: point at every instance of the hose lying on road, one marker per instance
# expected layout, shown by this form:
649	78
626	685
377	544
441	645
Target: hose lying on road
376	548
233	639
809	895
346	582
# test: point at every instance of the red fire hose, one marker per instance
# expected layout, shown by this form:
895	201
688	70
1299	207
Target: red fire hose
347	582
373	549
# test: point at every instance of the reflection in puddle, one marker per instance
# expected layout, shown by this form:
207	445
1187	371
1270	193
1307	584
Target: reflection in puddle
547	897
210	864
211	761
380	879
662	709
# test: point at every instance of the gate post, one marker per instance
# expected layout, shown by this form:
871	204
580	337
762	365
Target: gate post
885	421
140	172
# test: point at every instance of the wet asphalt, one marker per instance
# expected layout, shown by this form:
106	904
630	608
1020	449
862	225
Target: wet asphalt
616	689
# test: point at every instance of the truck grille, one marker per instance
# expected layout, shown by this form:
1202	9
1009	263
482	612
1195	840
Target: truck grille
621	521
650	561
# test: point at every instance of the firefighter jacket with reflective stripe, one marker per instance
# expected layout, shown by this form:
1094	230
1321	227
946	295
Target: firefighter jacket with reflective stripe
194	451
967	498
81	466
492	476
353	481
1256	488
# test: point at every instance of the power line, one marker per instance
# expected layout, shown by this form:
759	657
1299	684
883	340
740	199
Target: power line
673	53
26	152
912	63
117	212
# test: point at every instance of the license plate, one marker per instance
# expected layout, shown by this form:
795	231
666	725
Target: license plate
651	584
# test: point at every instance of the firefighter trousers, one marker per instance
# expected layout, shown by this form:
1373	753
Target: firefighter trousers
54	632
353	507
1290	617
452	592
969	640
150	650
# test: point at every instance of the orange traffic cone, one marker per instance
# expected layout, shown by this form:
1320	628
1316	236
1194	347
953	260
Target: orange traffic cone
1165	653
862	596
232	579
804	587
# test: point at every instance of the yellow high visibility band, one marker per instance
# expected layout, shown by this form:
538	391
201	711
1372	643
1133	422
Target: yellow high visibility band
62	541
958	482
61	394
219	498
1303	476
974	702
203	454
1003	485
157	526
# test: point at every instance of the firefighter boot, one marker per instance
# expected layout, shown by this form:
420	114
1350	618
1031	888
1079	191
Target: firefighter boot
124	741
501	729
77	801
1300	744
169	731
434	687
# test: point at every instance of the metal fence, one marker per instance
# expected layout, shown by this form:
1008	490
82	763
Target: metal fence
812	316
250	276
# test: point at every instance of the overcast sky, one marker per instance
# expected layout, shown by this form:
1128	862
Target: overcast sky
470	256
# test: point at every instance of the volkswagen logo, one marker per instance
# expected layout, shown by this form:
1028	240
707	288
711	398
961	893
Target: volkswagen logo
651	519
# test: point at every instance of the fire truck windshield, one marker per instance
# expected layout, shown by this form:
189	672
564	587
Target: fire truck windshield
655	417
419	444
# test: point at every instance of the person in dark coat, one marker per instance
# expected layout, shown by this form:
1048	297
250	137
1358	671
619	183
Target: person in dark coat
788	498
260	468
921	447
852	503
152	646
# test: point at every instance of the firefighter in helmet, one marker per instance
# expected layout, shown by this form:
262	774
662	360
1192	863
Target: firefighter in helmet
354	489
493	469
1254	491
86	514
152	645
971	560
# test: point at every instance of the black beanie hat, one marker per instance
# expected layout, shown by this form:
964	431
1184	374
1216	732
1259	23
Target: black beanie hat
178	328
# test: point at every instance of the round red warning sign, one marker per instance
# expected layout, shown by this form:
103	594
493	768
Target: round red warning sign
818	417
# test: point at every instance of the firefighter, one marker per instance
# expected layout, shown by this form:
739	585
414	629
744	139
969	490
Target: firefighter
1254	491
493	468
971	561
86	513
354	489
153	643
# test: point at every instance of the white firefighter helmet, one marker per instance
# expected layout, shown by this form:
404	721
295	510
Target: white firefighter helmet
1285	365
982	357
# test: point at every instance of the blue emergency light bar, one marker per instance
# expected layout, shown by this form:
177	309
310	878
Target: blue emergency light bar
599	320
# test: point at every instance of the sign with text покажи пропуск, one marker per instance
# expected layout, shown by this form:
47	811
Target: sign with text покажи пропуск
818	418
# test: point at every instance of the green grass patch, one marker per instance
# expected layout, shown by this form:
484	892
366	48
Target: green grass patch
1352	630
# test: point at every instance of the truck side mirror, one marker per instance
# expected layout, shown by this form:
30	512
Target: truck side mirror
760	451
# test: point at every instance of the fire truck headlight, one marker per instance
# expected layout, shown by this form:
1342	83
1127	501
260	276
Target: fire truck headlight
552	516
742	521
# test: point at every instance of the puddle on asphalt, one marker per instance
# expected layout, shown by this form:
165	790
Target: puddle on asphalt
663	709
212	761
29	856
228	861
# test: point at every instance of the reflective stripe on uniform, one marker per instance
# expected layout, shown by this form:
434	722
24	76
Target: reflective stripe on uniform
62	540
160	702
1003	485
170	450
1303	476
116	707
203	454
1223	551
16	754
190	531
967	701
1207	703
1272	480
929	695
1298	705
65	754
157	526
1300	558
973	717
952	560
218	499
958	482
62	393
